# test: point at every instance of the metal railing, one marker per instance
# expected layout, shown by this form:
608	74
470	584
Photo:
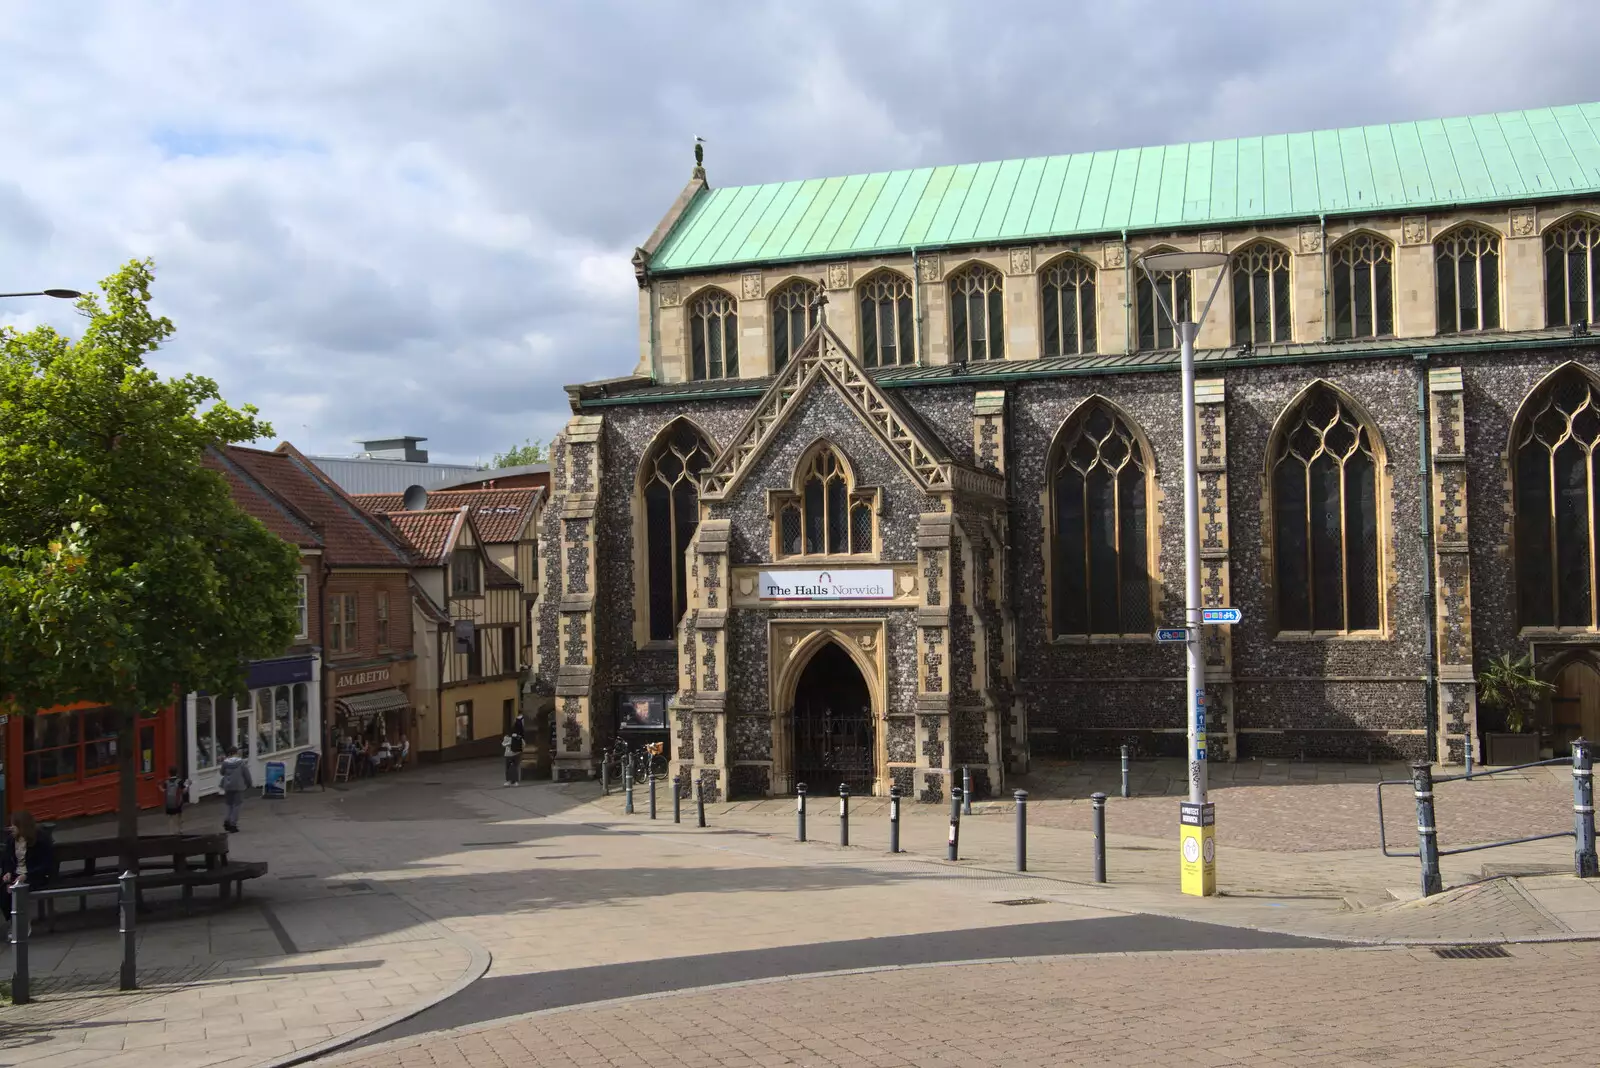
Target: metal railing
1422	782
22	899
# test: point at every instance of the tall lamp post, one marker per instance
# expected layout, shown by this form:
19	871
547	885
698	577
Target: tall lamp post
60	294
1197	818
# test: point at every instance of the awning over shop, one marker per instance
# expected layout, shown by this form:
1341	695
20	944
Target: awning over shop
362	707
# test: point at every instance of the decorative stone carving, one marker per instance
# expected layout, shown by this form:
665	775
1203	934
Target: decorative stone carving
1414	230
989	430
929	269
1021	261
750	285
1210	242
671	294
838	276
1114	255
1524	222
1310	239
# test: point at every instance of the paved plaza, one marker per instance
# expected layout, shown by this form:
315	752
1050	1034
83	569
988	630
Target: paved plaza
436	917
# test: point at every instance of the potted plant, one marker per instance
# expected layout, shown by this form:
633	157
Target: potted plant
1510	686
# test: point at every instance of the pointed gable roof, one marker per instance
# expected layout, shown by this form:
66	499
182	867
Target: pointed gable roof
256	499
824	360
431	532
501	515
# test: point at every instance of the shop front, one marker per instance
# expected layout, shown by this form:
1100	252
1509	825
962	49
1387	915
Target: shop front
276	719
371	705
62	762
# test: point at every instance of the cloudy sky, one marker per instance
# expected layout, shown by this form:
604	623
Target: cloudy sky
377	217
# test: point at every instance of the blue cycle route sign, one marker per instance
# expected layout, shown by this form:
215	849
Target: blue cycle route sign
1172	634
1220	615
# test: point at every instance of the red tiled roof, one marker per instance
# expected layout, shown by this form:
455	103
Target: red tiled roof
431	531
350	537
500	515
255	499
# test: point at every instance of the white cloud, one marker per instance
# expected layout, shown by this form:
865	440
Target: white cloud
415	216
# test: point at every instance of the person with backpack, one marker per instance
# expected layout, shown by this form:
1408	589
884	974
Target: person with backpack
175	792
235	781
511	745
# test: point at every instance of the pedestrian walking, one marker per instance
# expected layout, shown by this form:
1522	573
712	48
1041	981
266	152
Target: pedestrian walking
511	745
175	792
235	781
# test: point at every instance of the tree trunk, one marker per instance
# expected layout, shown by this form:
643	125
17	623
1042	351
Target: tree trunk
128	788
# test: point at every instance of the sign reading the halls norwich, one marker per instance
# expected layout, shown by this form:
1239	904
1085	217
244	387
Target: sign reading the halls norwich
877	585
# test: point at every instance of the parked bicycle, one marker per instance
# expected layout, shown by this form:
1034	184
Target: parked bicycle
648	760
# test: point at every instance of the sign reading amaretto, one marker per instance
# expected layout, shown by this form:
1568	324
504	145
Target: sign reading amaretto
826	585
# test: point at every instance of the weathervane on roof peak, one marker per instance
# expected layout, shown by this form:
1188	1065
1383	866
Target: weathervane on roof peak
700	158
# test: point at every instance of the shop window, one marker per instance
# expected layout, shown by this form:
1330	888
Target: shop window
1468	276
888	337
824	515
463	721
1556	447
1100	529
342	623
302	628
977	314
1324	471
1155	327
1569	270
64	747
1066	301
713	336
380	618
302	715
1363	287
465	577
1261	294
795	307
206	753
670	485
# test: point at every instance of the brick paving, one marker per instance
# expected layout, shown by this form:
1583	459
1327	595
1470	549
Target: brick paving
1302	1008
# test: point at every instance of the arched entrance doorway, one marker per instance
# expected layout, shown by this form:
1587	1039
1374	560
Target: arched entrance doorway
833	738
1575	706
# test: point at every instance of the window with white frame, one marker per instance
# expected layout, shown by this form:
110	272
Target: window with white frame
303	623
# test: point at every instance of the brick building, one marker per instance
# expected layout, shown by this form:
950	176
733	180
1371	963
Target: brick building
896	485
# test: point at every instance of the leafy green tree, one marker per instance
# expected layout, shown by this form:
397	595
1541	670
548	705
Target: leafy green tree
128	576
531	451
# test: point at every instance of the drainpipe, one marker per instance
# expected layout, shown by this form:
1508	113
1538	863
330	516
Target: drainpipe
916	306
1130	341
322	683
1322	224
1425	539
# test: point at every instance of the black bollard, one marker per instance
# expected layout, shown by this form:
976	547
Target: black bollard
1466	755
966	791
652	774
677	801
21	923
800	812
605	772
954	850
1427	831
844	814
1125	790
700	800
1585	863
1021	797
1099	836
627	784
128	900
894	819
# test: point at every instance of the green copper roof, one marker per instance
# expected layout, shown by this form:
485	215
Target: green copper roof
1405	166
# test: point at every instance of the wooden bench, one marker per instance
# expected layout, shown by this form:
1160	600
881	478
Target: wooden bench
186	861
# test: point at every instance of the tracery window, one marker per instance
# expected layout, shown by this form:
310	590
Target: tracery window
1155	328
714	336
1261	294
1468	264
826	515
795	308
1100	541
671	486
977	319
1363	287
1066	300
1325	517
1555	453
888	337
1569	270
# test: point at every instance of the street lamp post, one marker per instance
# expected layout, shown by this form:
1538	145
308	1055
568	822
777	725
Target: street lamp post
1197	818
60	294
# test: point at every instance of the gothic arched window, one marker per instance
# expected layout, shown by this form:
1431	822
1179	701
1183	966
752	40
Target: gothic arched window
1261	294
1155	328
1099	527
977	314
670	484
1468	265
713	336
1569	270
1554	453
888	337
1363	287
1324	479
826	515
1066	301
795	308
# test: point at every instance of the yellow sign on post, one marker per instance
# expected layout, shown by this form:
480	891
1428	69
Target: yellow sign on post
1198	857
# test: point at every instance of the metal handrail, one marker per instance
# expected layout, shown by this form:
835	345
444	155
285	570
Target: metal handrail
1383	842
127	890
